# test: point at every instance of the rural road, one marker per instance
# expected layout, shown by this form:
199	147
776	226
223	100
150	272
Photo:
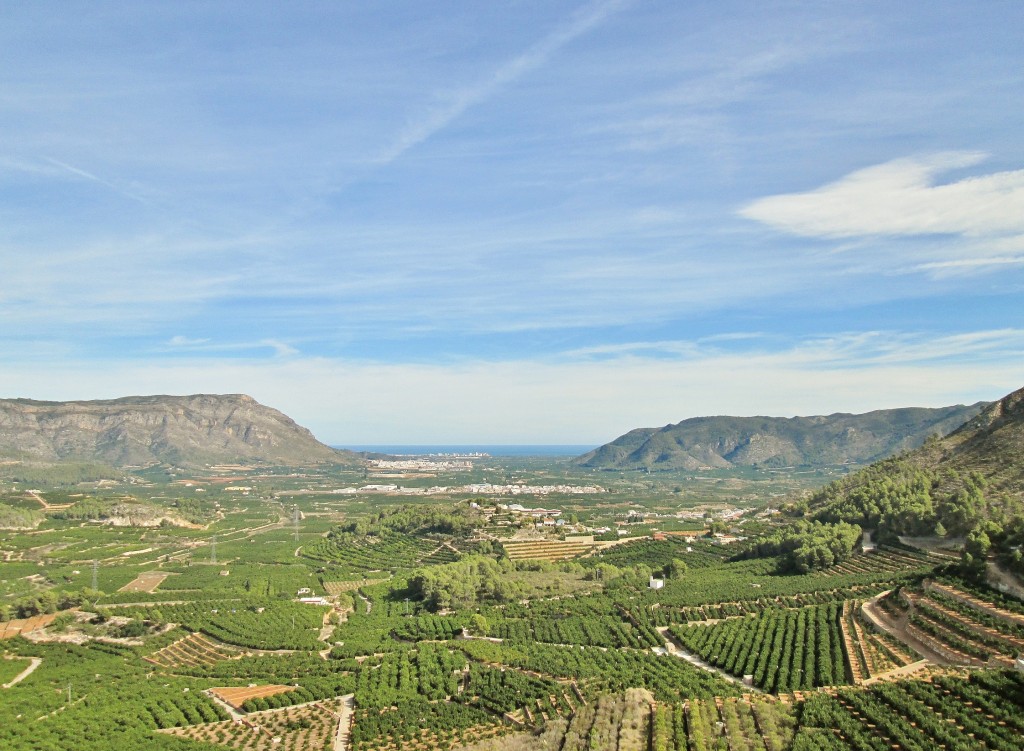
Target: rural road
344	723
674	650
36	662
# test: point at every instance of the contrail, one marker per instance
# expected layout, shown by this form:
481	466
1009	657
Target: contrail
534	57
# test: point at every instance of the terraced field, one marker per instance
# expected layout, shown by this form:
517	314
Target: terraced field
311	727
547	550
236	697
193	651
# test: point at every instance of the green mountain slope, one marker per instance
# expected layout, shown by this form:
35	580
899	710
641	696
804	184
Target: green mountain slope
970	482
721	442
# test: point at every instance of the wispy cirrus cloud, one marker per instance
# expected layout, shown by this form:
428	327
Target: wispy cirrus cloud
839	350
199	344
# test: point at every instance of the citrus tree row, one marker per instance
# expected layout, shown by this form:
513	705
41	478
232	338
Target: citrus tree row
984	711
784	650
388	552
429	673
602	631
599	669
409	721
665	616
258	624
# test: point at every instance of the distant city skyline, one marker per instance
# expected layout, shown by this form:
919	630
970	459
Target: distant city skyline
524	223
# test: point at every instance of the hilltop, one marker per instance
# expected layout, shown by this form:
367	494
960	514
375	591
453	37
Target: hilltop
723	442
138	430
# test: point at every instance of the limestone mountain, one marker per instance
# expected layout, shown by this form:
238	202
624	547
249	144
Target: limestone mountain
183	430
722	442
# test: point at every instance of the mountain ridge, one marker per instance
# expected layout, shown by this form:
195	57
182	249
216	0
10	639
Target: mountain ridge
720	442
190	429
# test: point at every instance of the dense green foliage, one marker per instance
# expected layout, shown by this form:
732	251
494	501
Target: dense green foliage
413	520
919	496
18	518
807	546
72	701
257	624
466	582
657	554
951	713
351	554
668	678
784	650
62	474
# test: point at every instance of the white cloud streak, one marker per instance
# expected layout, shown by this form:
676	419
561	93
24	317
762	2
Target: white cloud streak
530	60
89	176
901	198
186	344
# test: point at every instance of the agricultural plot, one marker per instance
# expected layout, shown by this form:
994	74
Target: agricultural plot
193	651
237	697
430	672
881	561
441	555
18	577
615	722
1001	607
265	624
513	693
871	653
145	582
240	579
598	670
743	724
784	650
422	726
759	580
311	727
960	628
10	629
111	702
11	667
983	711
334	588
659	553
430	628
601	631
547	550
665	616
389	552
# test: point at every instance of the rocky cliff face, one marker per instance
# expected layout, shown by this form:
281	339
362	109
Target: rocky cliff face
185	430
722	442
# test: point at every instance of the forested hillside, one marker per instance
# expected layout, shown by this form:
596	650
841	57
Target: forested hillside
969	483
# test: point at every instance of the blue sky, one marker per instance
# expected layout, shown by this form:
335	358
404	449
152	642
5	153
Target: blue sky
522	222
